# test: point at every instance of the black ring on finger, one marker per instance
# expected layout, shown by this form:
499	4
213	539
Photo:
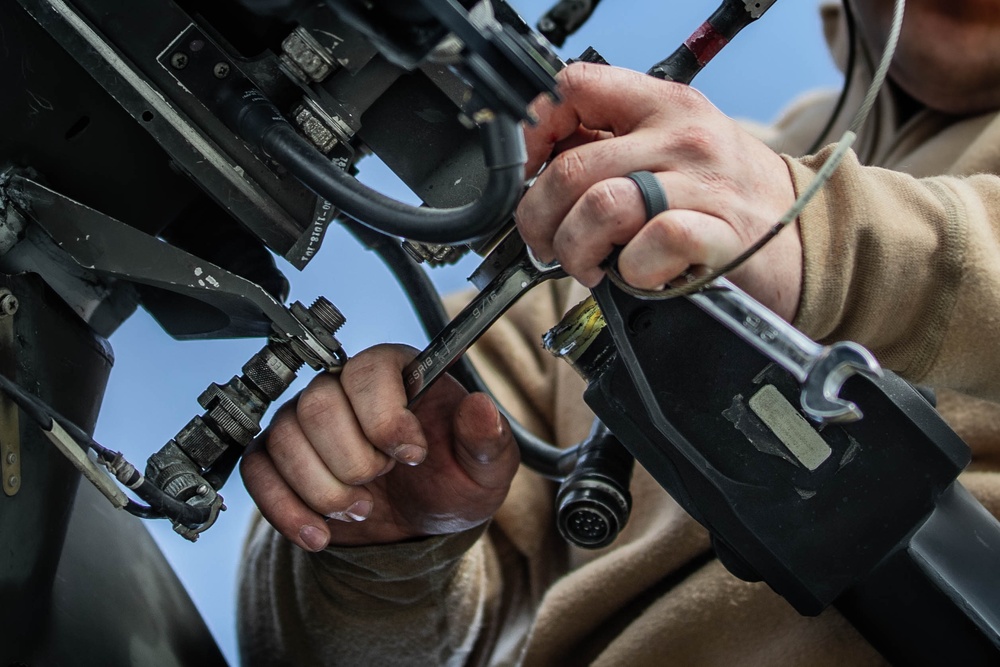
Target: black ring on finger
653	194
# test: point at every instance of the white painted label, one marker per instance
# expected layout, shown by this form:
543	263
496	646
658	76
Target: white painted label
790	427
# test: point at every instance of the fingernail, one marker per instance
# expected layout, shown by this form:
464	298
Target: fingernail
313	537
499	420
411	455
359	511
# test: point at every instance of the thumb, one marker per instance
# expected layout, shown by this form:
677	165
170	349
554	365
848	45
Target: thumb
484	445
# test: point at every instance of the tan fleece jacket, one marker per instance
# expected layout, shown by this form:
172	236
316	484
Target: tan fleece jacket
904	259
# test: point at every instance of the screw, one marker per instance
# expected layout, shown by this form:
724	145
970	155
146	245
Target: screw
202	490
179	60
13	481
221	70
12	458
8	304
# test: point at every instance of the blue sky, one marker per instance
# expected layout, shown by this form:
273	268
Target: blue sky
156	380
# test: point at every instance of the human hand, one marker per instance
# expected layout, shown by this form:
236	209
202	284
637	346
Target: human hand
347	463
725	188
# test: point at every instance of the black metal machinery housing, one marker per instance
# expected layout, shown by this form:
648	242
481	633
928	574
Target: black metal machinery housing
136	127
871	519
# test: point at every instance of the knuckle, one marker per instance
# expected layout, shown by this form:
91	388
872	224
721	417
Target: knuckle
564	245
284	514
251	466
283	436
603	201
567	170
360	470
365	370
576	78
385	430
527	223
677	233
696	141
314	406
684	97
360	365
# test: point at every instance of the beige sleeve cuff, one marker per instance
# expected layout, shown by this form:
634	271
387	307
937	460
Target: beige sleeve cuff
883	261
385	578
420	602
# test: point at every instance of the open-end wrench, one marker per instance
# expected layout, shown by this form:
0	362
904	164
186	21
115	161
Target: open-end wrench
518	275
821	370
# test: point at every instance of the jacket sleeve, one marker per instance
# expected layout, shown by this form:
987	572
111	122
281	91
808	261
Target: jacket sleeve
908	267
418	602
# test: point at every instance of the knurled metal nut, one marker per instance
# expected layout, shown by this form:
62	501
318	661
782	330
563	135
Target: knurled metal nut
231	427
262	373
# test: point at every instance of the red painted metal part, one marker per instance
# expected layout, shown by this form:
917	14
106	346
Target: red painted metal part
705	42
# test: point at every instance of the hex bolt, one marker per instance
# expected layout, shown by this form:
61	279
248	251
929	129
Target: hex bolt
11	458
13	481
8	304
179	60
221	70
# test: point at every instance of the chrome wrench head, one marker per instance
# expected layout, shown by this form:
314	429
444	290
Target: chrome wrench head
820	397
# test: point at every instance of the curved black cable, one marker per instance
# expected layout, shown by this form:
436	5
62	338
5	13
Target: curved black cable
852	54
540	456
259	122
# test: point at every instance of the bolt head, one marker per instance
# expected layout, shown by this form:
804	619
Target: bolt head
8	304
221	70
11	458
13	480
179	60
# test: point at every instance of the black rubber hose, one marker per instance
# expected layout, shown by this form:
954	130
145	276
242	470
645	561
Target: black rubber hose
259	122
540	456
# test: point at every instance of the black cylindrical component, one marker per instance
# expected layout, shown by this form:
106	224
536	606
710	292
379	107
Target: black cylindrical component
565	18
593	503
705	42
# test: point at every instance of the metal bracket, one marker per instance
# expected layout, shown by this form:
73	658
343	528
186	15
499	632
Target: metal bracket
108	247
10	437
